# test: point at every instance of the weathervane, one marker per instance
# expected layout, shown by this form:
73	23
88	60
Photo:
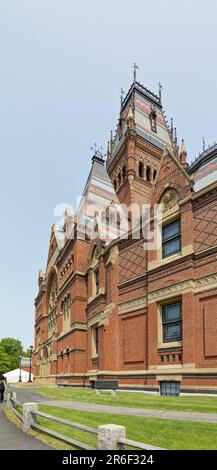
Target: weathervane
98	152
135	67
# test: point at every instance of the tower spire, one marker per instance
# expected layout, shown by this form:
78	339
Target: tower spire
135	67
122	93
160	91
171	129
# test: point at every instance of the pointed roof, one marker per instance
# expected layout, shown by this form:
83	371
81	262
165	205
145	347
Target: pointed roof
98	197
56	244
141	103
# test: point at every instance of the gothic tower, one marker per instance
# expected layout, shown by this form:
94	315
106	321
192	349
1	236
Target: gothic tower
135	152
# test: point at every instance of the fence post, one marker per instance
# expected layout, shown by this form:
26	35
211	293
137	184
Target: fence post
109	435
11	396
27	417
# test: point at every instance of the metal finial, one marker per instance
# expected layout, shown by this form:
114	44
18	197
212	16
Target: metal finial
122	93
204	145
135	67
160	91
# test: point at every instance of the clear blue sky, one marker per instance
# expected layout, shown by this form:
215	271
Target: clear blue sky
62	64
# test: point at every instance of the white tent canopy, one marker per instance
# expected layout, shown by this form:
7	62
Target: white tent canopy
13	376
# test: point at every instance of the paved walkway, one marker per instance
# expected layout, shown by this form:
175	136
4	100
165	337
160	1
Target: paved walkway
13	438
32	396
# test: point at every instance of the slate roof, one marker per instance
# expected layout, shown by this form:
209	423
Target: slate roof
204	168
98	198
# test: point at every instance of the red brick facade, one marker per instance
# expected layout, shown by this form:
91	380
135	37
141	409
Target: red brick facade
114	330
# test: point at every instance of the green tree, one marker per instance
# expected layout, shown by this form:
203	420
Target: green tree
14	349
27	353
5	362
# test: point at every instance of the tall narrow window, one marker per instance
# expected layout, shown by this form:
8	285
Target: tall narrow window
119	178
171	239
95	341
96	275
148	173
154	174
124	172
153	120
172	322
115	184
141	170
68	306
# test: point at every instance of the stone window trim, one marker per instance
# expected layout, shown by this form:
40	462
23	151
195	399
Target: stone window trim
154	173
95	278
169	323
95	341
66	312
160	307
148	172
174	238
153	119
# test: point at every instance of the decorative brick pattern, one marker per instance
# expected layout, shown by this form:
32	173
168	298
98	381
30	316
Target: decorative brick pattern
132	262
205	228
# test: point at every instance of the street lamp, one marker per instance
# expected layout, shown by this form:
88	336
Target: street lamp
30	364
20	377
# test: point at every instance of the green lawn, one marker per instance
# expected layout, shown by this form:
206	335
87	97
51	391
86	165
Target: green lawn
168	434
137	400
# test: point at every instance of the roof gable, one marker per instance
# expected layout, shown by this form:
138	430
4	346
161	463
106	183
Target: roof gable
171	174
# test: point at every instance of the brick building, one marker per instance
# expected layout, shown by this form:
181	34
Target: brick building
122	307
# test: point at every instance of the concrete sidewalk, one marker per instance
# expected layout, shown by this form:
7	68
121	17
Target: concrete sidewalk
32	396
163	414
13	438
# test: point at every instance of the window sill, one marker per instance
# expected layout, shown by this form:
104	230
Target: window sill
173	344
95	296
188	250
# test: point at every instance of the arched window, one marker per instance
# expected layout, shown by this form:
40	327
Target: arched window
65	307
141	170
119	178
68	305
148	173
124	172
154	174
53	295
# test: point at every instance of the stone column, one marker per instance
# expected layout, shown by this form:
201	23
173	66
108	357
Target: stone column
28	419
10	395
109	435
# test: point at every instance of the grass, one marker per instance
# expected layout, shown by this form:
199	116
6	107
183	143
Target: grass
55	443
134	400
170	434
